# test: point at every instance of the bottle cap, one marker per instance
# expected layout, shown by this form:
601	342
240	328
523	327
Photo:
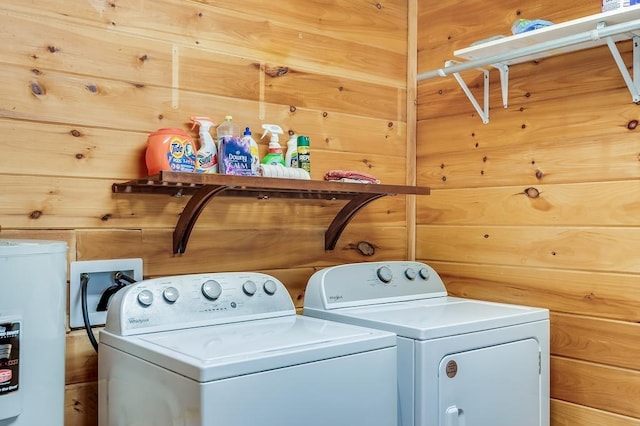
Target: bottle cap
247	132
303	140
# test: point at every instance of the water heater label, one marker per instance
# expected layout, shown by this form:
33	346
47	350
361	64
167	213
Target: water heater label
9	357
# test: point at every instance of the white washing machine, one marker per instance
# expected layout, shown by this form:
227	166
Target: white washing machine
461	362
227	349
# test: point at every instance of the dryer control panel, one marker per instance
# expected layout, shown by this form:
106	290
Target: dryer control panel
187	301
359	284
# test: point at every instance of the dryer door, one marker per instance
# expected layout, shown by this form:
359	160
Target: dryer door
497	385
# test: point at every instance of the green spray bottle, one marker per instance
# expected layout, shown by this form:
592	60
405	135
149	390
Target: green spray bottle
274	156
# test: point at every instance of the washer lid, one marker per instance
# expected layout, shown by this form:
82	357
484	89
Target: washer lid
435	318
221	351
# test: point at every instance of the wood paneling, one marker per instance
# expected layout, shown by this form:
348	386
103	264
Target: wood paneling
598	340
604	249
598	294
568	414
83	84
592	204
595	385
337	45
541	205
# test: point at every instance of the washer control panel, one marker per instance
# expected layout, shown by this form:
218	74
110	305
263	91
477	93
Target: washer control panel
365	283
186	301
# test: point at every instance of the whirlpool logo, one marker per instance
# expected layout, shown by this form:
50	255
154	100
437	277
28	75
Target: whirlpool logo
138	321
335	298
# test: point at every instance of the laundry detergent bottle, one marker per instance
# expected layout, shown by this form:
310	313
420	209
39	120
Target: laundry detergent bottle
255	152
235	152
291	157
170	149
207	155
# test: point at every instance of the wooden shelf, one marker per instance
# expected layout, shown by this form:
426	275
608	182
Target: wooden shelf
203	187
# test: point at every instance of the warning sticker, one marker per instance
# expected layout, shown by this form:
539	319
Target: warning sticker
9	357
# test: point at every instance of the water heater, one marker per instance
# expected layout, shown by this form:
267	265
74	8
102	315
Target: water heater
32	332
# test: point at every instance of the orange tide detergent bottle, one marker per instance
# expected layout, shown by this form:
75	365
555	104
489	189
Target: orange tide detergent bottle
170	149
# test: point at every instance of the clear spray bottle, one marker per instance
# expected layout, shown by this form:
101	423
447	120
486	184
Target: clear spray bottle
207	155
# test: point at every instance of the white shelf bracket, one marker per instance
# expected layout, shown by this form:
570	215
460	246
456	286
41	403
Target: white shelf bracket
483	111
504	83
631	82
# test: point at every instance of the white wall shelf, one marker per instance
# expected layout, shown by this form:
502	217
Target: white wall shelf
606	28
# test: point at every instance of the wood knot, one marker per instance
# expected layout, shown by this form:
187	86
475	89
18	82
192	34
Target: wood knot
35	214
292	108
275	72
532	192
36	71
365	248
143	58
325	114
52	49
37	89
632	124
75	133
92	88
539	174
106	217
79	156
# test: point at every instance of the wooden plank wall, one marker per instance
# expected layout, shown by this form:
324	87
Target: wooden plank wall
84	83
542	205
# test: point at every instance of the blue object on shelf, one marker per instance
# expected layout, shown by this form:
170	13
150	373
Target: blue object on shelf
524	25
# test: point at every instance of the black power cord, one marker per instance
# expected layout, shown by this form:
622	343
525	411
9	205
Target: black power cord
84	282
118	279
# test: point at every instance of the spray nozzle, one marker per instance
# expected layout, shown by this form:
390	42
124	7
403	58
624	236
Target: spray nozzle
205	123
274	129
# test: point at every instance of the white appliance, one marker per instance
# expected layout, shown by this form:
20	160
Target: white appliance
227	349
33	286
461	362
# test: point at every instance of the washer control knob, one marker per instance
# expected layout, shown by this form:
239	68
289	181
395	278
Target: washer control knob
410	273
211	289
424	273
249	288
145	298
384	274
270	287
170	294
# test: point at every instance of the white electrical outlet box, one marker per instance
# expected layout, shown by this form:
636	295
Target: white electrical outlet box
101	277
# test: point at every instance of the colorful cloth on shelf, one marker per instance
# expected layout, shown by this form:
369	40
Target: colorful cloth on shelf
350	176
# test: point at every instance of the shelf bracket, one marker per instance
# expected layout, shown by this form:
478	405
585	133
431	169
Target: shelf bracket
504	82
344	216
631	82
190	214
483	111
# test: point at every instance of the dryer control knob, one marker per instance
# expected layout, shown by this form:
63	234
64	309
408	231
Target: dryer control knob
424	273
145	298
211	289
249	288
270	287
170	294
410	273
384	274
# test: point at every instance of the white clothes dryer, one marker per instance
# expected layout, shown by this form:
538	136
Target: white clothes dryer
227	349
461	362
